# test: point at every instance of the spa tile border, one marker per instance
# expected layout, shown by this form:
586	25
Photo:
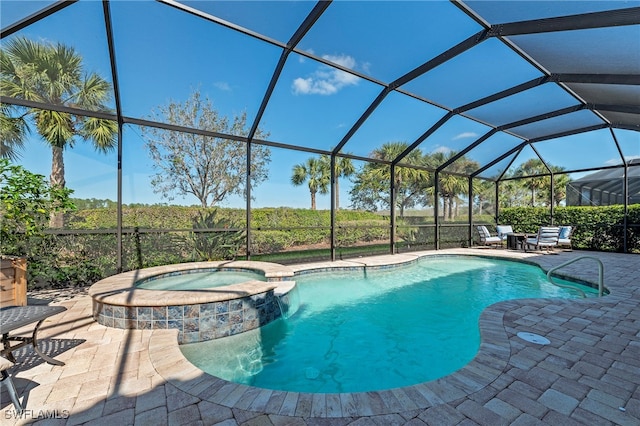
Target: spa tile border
197	315
194	323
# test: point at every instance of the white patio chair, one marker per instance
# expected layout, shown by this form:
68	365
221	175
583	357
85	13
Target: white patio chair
547	238
564	238
486	239
503	231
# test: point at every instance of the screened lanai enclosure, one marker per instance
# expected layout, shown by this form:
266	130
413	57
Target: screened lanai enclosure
190	130
605	187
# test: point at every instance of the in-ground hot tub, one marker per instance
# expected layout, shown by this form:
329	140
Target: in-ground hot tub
198	314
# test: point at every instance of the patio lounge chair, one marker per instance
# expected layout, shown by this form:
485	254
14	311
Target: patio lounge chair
564	238
503	231
7	382
547	238
486	239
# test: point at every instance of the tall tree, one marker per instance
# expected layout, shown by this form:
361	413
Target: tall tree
344	168
452	186
316	173
53	74
532	167
13	131
560	182
371	186
483	191
209	168
512	194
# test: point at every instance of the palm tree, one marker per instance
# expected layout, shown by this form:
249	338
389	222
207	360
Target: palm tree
511	194
53	74
12	133
316	174
483	191
452	185
344	168
560	182
532	167
410	183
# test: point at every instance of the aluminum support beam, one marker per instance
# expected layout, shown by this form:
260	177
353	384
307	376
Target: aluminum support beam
392	209
116	93
609	18
500	158
625	191
332	164
436	212
470	211
33	18
623	79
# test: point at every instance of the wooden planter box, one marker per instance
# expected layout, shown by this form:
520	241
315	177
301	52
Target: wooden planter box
13	282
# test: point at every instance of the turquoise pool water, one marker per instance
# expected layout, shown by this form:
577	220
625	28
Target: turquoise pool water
188	280
376	329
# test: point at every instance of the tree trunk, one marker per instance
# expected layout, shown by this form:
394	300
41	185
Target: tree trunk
533	197
451	208
57	180
313	200
337	194
444	207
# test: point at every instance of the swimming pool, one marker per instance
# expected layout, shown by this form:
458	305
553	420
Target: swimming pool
375	329
199	279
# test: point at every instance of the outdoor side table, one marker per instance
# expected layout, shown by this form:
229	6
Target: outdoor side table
515	240
15	317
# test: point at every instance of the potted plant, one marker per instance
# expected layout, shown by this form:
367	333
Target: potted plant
26	204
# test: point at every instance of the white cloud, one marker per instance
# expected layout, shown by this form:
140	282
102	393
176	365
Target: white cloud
326	80
616	161
442	149
222	85
465	135
613	162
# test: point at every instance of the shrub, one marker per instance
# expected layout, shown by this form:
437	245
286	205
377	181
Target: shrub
26	204
223	243
350	233
596	228
271	241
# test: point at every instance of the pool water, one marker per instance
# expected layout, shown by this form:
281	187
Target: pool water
199	280
375	330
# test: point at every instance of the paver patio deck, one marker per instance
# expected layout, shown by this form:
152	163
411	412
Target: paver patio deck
589	373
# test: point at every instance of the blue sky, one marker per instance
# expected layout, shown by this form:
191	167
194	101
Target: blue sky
163	55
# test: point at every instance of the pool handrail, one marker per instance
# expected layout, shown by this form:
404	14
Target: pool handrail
600	275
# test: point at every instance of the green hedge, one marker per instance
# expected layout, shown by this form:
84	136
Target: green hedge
63	260
596	228
179	217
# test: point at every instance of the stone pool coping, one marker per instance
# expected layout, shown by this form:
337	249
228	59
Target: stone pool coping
120	289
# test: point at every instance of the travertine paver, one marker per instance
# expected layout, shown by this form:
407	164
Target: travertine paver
588	374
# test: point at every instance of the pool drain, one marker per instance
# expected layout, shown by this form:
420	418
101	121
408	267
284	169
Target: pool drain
533	338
